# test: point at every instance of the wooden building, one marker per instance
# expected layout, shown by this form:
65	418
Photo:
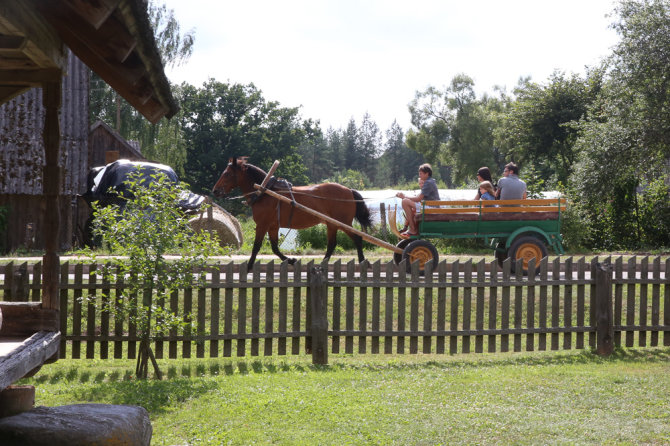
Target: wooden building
114	39
22	158
106	145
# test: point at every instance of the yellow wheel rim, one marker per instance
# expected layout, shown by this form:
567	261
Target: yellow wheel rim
529	251
422	254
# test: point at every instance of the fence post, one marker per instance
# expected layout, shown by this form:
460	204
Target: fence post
318	329
382	218
604	320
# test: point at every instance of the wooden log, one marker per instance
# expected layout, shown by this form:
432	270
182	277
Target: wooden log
16	399
22	319
31	353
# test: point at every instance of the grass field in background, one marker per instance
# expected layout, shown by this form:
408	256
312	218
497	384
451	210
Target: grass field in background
530	398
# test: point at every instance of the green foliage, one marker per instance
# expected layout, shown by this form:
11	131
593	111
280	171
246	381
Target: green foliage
625	142
398	163
640	69
574	227
537	130
535	183
174	47
655	214
353	179
142	232
224	120
455	128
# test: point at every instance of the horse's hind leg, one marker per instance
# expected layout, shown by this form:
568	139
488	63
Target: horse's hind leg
358	241
273	234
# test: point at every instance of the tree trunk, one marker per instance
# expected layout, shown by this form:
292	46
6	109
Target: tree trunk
145	354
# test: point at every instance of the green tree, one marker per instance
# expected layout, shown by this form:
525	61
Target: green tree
539	128
174	47
336	147
353	157
398	164
369	146
353	179
224	120
317	154
625	140
141	233
455	128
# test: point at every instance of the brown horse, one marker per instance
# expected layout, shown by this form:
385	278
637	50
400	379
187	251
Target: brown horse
331	199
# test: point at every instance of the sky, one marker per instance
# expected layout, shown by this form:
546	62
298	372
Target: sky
341	59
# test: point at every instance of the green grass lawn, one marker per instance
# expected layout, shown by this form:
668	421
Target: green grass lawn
536	398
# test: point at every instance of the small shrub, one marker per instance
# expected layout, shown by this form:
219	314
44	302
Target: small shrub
654	208
142	231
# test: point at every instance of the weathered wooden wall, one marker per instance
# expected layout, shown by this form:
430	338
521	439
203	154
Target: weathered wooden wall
22	157
26	218
103	141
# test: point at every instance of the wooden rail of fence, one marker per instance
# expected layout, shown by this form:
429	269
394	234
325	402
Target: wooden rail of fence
456	307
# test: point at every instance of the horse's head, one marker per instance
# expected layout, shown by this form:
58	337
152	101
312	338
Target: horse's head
229	179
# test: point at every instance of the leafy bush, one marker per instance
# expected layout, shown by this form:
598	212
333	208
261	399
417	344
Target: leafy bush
654	210
352	179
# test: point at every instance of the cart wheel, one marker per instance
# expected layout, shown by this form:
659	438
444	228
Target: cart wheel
527	248
397	258
421	250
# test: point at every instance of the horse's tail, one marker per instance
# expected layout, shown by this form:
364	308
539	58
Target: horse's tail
362	211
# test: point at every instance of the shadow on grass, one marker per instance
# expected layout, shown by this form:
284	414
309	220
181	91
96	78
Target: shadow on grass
546	358
155	396
178	384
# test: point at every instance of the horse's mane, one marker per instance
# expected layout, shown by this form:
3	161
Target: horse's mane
256	174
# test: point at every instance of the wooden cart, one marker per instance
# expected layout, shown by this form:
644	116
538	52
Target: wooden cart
518	229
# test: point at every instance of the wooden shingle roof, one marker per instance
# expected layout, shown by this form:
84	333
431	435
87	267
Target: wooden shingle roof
113	37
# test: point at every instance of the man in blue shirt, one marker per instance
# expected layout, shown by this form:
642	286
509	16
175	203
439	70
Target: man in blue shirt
510	187
428	192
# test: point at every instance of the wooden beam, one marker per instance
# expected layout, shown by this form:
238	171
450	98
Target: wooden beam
111	42
17	63
12	44
51	184
31	353
25	318
94	13
43	46
34	77
10	92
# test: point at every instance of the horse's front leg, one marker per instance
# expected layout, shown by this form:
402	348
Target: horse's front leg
258	242
273	234
331	232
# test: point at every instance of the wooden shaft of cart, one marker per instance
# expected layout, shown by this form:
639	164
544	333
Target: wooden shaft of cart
339	224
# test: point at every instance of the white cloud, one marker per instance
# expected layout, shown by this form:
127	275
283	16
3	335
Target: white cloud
341	59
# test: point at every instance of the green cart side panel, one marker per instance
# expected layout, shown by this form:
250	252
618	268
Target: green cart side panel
485	228
496	231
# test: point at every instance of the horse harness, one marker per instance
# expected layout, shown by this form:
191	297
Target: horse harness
278	185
